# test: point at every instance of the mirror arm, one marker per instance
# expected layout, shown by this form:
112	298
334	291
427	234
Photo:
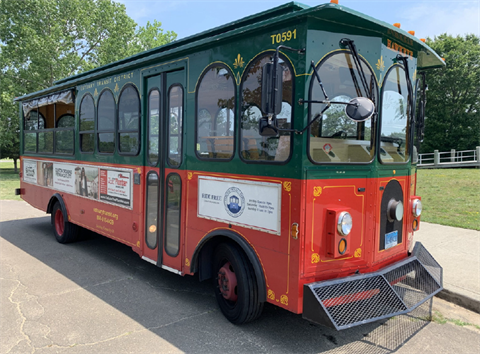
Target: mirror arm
315	72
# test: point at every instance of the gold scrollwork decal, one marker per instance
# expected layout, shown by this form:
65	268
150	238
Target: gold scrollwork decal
317	191
284	300
187	262
358	253
287	186
271	294
380	64
238	63
315	258
189	175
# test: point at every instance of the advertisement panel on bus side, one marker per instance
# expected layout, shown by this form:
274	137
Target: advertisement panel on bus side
108	185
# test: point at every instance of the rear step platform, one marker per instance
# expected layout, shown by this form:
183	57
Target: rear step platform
359	299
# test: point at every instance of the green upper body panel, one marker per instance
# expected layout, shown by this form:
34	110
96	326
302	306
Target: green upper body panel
236	45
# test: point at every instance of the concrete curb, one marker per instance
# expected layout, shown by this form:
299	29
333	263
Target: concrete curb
460	300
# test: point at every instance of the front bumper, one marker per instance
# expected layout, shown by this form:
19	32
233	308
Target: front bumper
358	299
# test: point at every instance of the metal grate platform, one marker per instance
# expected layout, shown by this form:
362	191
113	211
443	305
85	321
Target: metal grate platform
394	290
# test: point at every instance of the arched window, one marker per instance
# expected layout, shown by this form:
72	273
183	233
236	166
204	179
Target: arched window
395	123
129	121
87	124
106	122
216	114
66	121
335	138
253	146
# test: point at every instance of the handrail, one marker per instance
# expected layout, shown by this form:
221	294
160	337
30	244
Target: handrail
450	158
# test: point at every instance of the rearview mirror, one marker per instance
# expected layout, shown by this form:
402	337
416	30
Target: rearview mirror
272	89
360	109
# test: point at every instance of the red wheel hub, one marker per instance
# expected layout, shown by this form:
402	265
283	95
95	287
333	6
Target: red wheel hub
59	224
227	282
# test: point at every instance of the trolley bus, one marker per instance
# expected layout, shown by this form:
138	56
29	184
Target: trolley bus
274	155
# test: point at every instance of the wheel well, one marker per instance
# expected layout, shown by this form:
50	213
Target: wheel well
203	255
57	198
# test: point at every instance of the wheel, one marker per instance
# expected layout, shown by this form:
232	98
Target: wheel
236	287
63	230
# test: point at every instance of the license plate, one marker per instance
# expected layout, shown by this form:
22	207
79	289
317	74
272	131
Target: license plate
391	239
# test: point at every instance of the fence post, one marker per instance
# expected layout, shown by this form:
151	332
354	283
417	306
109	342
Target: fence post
452	155
436	158
477	150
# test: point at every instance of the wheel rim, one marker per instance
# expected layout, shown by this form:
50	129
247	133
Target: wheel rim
227	282
59	224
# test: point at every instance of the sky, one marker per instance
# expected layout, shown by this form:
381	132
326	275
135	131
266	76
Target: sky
428	18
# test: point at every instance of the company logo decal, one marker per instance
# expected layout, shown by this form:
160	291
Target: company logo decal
234	202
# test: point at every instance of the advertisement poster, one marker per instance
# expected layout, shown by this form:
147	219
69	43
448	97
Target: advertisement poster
86	181
115	187
45	174
246	203
30	171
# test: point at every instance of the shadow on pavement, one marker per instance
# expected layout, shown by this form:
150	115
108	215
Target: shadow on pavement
181	310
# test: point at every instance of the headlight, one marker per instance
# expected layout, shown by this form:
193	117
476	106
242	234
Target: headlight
417	208
344	225
395	210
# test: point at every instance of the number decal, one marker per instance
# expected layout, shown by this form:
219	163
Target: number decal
284	36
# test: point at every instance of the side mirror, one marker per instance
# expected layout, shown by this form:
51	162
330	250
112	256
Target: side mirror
265	129
272	89
360	109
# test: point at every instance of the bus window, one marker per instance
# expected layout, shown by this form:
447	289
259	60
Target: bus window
152	210
153	127
87	124
175	121
254	147
395	117
106	122
66	121
172	217
334	137
215	114
128	121
64	138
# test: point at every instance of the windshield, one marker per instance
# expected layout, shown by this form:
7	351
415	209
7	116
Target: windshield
395	117
334	137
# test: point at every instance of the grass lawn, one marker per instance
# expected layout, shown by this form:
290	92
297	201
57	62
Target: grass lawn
9	180
450	196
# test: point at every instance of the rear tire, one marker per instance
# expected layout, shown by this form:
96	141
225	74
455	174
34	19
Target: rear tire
64	231
239	304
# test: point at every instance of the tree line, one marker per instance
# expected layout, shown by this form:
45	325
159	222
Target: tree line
42	41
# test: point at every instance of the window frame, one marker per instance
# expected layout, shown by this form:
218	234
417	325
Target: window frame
80	132
180	136
410	121
117	122
235	120
374	126
287	62
97	120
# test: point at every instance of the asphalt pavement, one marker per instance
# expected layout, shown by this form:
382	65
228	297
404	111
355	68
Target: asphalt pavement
98	296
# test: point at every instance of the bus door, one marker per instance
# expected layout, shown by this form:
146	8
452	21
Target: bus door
164	106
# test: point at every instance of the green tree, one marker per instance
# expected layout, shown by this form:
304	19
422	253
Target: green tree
453	97
42	41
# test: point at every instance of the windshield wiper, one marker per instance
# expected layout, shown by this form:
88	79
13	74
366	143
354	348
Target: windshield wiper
358	65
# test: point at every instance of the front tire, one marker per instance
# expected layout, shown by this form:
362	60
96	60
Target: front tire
236	287
64	231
